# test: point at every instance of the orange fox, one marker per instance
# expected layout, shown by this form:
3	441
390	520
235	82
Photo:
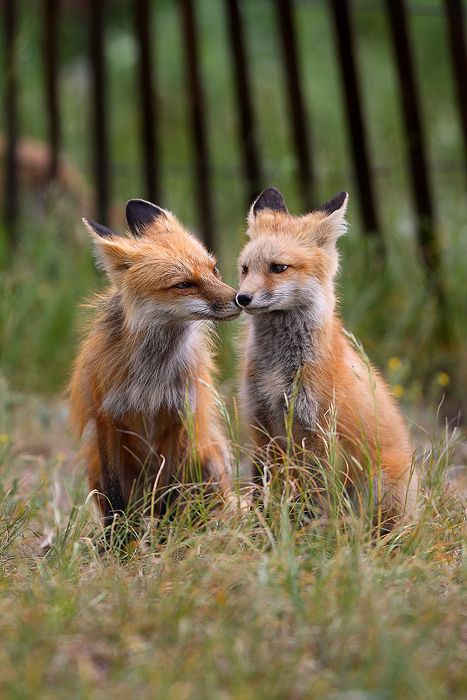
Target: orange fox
147	362
287	274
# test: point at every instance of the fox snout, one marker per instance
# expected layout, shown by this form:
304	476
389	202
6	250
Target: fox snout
253	295
223	302
256	301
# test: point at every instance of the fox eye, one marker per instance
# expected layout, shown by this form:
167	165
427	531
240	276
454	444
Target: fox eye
244	269
184	285
277	267
216	271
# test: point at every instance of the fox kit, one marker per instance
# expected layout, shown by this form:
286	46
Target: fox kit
146	364
287	274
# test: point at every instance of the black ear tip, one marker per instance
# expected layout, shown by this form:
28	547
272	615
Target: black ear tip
140	214
270	199
135	206
272	192
334	203
137	203
101	230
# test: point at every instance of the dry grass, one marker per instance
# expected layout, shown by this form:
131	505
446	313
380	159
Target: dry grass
264	605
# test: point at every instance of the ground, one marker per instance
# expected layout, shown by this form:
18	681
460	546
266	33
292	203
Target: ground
256	606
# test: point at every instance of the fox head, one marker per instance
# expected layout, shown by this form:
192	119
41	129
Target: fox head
162	272
290	261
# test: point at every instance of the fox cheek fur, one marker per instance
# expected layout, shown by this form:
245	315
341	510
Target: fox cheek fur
148	358
287	272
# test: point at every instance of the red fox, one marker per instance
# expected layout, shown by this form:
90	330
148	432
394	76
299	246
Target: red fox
287	274
147	362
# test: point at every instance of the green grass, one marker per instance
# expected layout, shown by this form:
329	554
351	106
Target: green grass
253	606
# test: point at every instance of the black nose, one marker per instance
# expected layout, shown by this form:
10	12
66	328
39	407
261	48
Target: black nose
243	299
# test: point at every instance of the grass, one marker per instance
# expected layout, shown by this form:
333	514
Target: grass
268	605
252	606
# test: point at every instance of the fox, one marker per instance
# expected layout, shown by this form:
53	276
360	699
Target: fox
296	349
142	383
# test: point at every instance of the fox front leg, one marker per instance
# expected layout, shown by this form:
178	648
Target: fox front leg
304	407
112	502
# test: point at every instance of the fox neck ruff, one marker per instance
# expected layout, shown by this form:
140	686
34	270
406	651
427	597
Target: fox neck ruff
282	343
286	340
162	362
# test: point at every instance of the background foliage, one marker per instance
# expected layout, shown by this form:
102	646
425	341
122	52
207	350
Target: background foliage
388	305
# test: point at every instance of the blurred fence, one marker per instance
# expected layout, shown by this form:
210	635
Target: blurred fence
396	12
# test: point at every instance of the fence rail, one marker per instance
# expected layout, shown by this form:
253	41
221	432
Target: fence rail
340	12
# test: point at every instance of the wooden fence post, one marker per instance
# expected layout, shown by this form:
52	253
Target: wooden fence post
296	102
99	106
418	163
195	91
247	126
149	141
11	120
457	45
415	138
353	102
51	60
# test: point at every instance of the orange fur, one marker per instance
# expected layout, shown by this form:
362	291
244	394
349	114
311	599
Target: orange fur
146	358
293	328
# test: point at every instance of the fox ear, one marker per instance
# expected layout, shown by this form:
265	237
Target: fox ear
114	254
332	223
98	229
140	214
270	199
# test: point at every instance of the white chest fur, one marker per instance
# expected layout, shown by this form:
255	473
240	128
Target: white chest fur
160	374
